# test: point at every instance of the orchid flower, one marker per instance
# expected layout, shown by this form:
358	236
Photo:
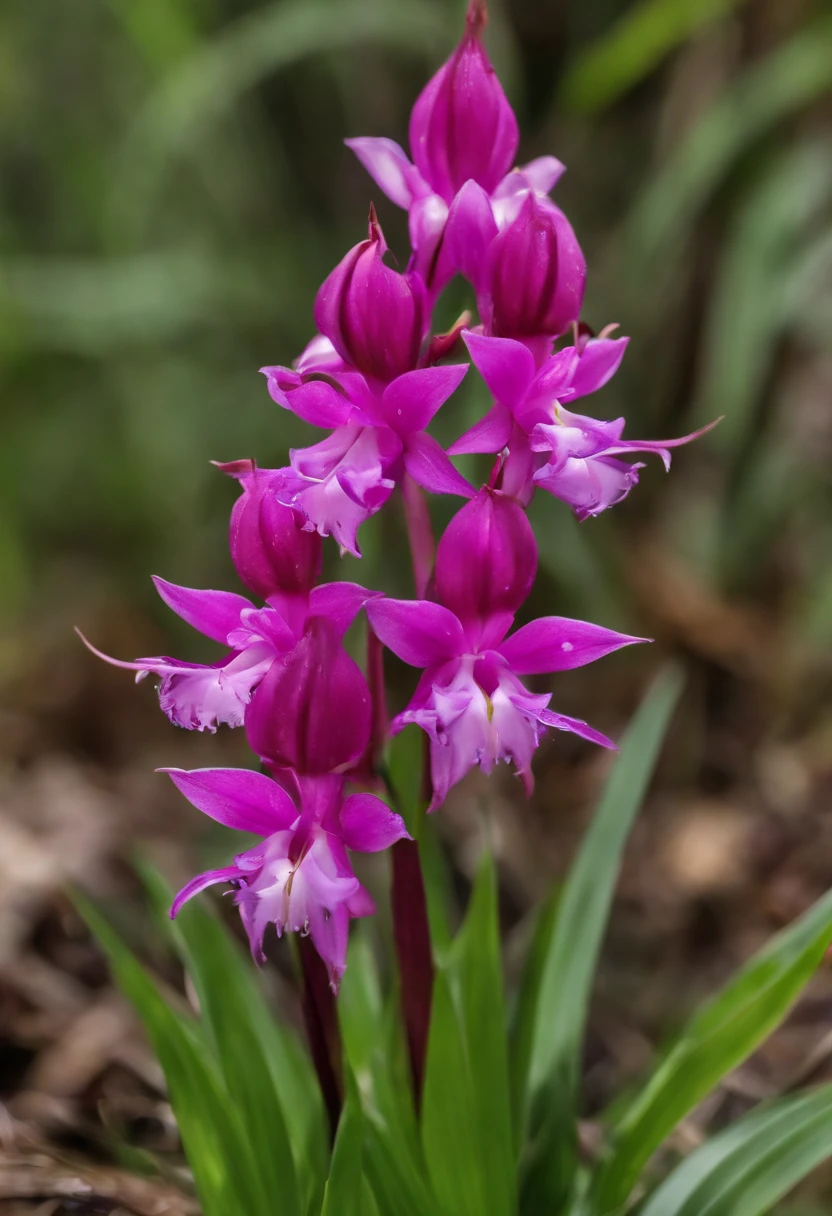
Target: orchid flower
298	877
362	379
575	458
470	700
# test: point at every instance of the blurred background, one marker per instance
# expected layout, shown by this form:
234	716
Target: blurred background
173	189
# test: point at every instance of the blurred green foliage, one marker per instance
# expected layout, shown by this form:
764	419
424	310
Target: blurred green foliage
174	188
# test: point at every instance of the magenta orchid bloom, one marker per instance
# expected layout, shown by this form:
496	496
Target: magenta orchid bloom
299	877
462	129
362	379
202	696
574	457
469	699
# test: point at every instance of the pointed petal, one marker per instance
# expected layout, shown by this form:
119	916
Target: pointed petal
577	727
214	613
543	173
419	632
470	229
659	446
598	363
199	884
368	825
237	797
411	400
389	167
556	643
427	463
341	602
490	434
506	366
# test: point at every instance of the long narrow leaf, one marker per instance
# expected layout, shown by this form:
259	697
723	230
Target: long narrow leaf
718	1038
747	1168
567	973
342	1196
228	997
212	1135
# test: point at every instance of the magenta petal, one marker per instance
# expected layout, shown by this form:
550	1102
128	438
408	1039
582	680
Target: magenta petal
411	400
368	825
599	361
315	401
208	879
388	166
214	613
490	434
506	366
470	229
341	602
557	643
543	173
419	632
427	463
329	931
577	727
237	797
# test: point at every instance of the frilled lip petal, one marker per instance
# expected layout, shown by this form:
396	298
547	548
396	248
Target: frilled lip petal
236	797
556	643
410	401
577	727
429	465
213	613
420	632
368	825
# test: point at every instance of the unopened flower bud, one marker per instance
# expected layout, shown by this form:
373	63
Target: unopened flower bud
312	710
485	565
536	274
462	126
268	547
375	317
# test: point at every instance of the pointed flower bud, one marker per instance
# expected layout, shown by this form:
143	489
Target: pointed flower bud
462	125
312	710
375	317
269	550
536	274
485	565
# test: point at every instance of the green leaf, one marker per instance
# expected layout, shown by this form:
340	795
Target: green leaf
563	995
342	1196
746	1169
215	1144
718	1038
399	1184
466	1114
525	1010
633	46
787	79
272	1085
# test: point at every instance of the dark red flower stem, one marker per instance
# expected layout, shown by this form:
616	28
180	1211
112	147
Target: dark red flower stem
411	929
321	1019
415	957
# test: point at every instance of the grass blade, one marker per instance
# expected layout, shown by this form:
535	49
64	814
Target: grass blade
569	966
718	1038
